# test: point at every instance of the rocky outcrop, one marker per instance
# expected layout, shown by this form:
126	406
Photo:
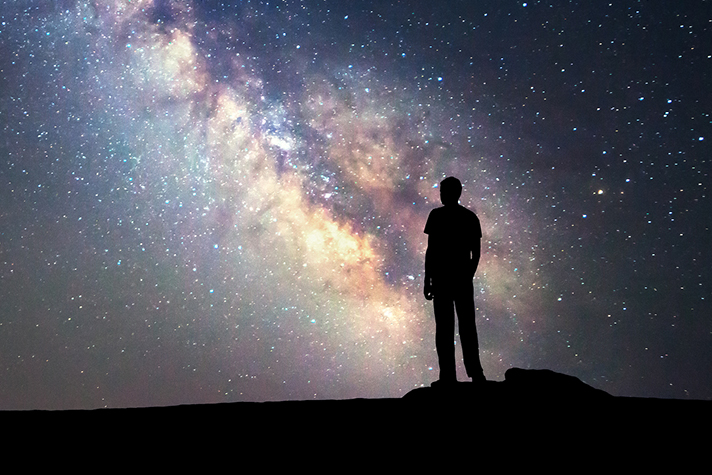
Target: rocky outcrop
541	385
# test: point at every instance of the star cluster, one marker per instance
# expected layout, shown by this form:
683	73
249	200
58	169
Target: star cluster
208	201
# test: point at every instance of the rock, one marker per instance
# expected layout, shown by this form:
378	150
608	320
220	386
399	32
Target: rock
541	385
544	383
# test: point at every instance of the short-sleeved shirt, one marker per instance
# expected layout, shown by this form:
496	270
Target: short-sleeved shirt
454	231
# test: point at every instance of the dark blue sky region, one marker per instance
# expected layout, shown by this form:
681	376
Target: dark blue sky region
212	201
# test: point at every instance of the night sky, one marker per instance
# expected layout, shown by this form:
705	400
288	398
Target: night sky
207	201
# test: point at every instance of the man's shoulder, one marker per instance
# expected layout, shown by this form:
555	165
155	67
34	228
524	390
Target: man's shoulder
467	213
432	219
466	210
435	212
449	212
444	216
472	222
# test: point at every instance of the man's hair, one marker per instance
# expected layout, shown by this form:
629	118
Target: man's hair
451	186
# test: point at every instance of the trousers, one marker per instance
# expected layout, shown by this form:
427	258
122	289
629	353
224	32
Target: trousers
448	299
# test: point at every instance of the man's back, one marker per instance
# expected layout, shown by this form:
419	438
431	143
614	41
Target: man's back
453	235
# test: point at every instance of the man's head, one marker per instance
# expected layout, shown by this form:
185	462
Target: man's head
450	191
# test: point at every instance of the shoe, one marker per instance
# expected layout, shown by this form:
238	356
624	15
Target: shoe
441	383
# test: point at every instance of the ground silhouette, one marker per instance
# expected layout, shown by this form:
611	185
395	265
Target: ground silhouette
532	417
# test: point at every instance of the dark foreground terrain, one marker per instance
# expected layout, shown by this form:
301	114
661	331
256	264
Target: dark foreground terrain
531	410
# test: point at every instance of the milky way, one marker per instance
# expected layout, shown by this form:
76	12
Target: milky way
224	201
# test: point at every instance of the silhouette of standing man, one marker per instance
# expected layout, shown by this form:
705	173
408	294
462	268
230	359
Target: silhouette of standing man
451	260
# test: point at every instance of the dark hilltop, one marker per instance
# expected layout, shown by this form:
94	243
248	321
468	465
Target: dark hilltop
530	407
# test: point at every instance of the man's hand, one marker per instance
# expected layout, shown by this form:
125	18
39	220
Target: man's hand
428	288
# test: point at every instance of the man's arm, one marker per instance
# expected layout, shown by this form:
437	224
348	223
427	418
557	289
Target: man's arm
429	256
428	287
476	244
475	259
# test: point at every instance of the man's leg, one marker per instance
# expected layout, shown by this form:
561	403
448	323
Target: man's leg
445	336
465	305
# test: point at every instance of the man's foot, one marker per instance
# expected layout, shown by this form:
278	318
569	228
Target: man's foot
441	383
